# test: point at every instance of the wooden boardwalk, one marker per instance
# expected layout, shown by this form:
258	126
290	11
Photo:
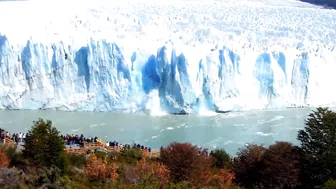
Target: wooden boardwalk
91	147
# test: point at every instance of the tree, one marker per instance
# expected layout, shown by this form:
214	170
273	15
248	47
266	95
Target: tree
186	163
45	147
318	147
248	166
221	159
281	166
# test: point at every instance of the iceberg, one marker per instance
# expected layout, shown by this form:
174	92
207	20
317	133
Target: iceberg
175	75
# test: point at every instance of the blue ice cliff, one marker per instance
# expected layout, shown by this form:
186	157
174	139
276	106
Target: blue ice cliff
100	77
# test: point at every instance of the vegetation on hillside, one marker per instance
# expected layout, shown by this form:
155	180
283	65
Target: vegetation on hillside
44	163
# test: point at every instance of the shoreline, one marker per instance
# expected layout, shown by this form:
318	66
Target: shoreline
215	111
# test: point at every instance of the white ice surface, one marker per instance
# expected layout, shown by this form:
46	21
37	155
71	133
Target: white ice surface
166	56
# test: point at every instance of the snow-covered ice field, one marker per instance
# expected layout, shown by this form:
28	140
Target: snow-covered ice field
173	56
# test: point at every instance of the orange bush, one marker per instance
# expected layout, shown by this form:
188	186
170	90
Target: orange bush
99	169
145	172
4	160
155	169
222	180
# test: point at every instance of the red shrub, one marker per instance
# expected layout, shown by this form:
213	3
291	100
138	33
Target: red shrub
248	166
282	166
187	163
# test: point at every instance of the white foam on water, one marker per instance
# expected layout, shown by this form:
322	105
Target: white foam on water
264	134
228	142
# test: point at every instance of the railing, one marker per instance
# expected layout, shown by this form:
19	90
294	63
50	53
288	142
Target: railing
75	150
103	147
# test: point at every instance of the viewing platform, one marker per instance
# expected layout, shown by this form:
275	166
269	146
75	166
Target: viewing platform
89	148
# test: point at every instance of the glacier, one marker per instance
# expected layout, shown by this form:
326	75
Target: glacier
179	58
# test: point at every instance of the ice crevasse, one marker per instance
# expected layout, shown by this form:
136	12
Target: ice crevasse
102	76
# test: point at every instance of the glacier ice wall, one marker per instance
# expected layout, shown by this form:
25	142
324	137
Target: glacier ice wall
102	77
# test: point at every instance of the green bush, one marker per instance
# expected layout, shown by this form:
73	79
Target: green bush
330	184
221	159
130	156
113	157
77	160
44	177
180	185
148	182
16	158
45	147
101	155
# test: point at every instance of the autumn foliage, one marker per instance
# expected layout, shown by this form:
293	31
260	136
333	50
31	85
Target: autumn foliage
146	173
281	166
99	170
187	163
248	166
4	160
223	179
155	169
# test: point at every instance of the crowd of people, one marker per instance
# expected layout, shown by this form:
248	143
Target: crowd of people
16	137
74	140
71	140
81	140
